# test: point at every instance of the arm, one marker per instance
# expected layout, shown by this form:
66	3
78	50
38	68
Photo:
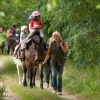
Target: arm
64	47
29	37
40	25
48	55
21	37
31	25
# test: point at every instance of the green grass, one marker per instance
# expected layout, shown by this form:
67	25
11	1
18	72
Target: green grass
24	93
84	81
2	36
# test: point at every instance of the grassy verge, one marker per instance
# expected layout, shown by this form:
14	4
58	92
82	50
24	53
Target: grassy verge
2	37
84	81
24	93
2	88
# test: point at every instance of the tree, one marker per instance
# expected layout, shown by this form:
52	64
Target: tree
78	21
16	12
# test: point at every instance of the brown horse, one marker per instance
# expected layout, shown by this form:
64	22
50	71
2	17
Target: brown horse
29	63
10	42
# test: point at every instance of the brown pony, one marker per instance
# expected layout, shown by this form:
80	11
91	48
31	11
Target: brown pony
10	42
29	63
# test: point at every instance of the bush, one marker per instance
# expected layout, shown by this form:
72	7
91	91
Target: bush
86	49
78	23
76	20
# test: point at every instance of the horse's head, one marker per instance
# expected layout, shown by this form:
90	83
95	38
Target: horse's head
11	43
36	37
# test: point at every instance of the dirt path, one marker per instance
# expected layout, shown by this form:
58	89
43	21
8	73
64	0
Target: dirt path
8	95
64	96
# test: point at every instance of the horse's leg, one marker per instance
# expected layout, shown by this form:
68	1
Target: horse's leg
18	72
8	50
11	51
34	75
31	76
28	74
41	76
2	50
24	80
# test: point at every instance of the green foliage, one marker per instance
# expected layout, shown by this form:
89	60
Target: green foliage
83	81
76	20
86	48
2	37
16	12
78	23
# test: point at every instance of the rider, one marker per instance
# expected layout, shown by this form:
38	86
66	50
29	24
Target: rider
17	35
23	35
10	32
35	24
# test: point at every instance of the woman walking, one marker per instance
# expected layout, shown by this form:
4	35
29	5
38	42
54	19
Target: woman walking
56	52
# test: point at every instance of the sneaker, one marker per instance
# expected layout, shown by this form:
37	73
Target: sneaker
47	85
54	91
50	88
59	93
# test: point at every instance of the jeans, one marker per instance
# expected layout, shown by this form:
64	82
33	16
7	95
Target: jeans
57	71
48	74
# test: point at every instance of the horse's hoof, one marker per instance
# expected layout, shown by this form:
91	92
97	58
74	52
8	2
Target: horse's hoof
34	84
19	83
24	84
41	87
31	86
